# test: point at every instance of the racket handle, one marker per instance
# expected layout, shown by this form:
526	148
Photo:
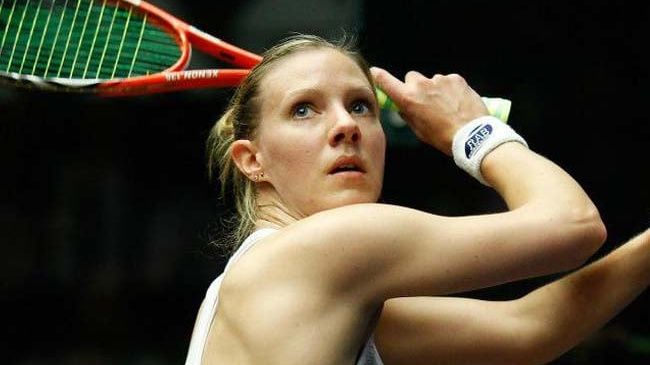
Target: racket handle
497	107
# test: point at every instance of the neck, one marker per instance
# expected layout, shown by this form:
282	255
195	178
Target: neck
272	213
273	216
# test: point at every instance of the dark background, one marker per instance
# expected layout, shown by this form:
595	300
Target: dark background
106	213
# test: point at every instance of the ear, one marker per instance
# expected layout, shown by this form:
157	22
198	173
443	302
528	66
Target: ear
244	154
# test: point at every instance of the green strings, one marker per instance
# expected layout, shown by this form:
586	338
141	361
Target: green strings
82	39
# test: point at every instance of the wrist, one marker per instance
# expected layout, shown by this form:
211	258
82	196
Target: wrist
476	139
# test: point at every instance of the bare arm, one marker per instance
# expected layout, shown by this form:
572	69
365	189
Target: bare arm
551	225
534	329
379	252
562	313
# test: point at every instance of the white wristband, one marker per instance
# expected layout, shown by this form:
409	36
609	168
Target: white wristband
476	139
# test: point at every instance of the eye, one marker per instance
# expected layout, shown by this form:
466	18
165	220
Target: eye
302	110
361	106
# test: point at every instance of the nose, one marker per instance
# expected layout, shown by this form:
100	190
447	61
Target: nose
345	129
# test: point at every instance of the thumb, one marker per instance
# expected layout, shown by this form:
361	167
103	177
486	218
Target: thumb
391	85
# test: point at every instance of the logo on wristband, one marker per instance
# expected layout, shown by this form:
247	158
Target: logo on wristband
476	138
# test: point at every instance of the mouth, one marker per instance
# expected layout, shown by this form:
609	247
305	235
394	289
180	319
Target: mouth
347	164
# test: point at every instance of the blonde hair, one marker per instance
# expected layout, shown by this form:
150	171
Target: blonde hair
241	120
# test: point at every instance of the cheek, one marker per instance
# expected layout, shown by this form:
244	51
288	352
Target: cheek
378	145
290	157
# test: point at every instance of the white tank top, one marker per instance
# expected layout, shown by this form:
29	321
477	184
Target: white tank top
367	356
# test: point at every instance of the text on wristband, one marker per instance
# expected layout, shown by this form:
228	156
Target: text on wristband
476	138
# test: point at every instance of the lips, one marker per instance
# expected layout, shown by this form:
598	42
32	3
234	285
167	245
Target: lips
347	164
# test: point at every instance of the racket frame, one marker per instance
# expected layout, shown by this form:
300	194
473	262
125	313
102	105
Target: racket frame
175	77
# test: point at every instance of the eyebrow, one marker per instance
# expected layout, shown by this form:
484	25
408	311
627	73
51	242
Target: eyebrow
315	90
301	91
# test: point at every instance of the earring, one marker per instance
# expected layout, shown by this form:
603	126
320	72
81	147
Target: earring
259	176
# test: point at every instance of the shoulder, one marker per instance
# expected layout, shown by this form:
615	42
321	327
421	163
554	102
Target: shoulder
347	230
337	248
331	233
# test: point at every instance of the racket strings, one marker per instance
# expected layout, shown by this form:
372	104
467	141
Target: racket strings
81	39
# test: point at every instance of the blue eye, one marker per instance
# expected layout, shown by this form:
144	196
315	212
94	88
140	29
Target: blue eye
360	107
302	110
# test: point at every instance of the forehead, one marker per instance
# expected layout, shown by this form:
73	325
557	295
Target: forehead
314	68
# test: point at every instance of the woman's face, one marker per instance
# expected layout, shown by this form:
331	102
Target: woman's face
320	142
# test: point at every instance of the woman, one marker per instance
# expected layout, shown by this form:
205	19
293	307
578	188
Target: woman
325	275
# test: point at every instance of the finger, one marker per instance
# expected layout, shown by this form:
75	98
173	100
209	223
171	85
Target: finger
391	85
437	78
414	77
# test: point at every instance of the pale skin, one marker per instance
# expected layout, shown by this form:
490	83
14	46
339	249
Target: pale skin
312	292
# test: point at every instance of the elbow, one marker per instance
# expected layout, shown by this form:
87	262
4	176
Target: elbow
598	232
583	234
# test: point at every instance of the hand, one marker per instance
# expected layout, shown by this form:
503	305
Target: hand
435	108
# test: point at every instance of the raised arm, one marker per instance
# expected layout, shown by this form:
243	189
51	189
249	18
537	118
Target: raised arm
534	329
552	224
382	251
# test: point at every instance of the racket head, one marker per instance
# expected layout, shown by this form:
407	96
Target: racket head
86	45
